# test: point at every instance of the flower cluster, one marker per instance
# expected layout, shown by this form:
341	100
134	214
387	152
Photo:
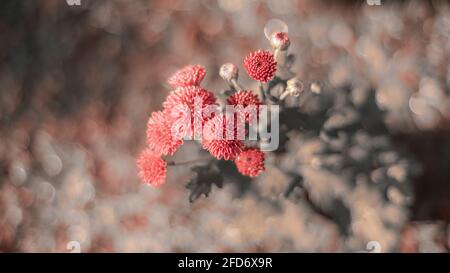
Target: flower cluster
166	128
191	111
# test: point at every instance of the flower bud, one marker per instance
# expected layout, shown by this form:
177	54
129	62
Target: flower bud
294	87
280	40
229	72
315	88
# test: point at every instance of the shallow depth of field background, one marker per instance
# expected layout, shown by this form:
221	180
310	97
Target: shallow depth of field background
77	85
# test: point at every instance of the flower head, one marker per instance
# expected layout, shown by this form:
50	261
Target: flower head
189	107
250	162
152	169
280	40
245	98
221	139
190	75
187	96
260	65
160	137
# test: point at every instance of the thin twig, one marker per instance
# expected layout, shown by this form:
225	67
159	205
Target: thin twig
173	163
236	85
261	91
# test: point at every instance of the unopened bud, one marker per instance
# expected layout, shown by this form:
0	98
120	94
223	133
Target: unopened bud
229	72
280	40
294	87
315	88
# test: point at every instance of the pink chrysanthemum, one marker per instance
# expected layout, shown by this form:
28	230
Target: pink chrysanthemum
152	169
260	65
190	75
160	137
250	162
187	107
219	140
244	99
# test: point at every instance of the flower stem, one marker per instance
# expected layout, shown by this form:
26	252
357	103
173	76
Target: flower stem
265	94
283	70
284	95
187	162
236	85
261	91
280	57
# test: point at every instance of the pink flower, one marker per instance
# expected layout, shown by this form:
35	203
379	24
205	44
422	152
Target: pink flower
260	65
244	99
160	137
219	140
188	107
250	162
190	75
152	169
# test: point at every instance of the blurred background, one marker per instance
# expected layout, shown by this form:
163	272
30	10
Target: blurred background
78	83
